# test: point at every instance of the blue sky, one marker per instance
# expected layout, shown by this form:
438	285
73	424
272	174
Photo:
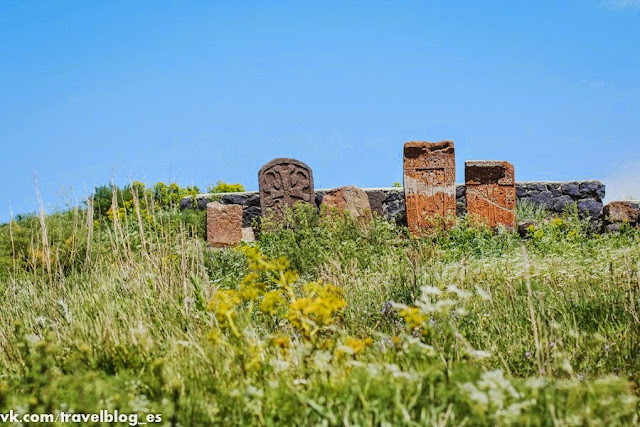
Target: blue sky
197	91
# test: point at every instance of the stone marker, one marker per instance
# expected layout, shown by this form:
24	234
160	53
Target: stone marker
348	199
224	224
429	182
283	182
490	191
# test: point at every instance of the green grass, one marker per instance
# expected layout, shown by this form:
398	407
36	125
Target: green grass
542	330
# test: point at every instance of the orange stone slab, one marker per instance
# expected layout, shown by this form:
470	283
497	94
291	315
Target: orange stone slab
224	224
490	191
429	183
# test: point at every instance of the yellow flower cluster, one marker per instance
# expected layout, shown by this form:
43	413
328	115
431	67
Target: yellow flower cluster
319	308
223	305
358	345
413	317
271	287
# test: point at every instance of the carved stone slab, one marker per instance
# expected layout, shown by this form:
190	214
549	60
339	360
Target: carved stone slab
348	199
283	182
224	224
429	183
490	190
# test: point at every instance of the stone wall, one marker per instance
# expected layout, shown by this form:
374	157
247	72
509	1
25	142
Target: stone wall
389	202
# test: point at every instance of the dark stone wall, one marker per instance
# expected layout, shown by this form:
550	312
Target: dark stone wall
389	202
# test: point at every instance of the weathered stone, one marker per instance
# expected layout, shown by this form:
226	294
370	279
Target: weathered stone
348	199
613	228
570	189
202	203
429	183
283	182
252	199
523	228
491	192
250	214
560	203
622	211
521	191
544	199
589	208
376	201
554	189
224	224
536	186
247	235
592	189
396	209
233	198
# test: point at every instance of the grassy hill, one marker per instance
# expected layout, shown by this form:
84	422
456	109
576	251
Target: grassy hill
321	321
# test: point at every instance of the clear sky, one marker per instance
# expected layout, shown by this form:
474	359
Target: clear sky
197	91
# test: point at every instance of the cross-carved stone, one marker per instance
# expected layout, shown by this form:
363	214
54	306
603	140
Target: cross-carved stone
490	192
429	183
283	182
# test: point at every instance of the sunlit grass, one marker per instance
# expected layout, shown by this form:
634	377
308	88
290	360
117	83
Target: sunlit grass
355	324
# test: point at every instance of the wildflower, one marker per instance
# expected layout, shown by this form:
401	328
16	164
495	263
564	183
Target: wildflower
396	340
527	354
223	304
271	302
281	342
358	345
413	317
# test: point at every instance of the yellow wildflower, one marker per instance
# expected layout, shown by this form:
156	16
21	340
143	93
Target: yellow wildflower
357	345
413	317
223	304
271	302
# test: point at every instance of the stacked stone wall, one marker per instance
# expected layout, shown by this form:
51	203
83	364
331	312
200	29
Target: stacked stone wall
390	202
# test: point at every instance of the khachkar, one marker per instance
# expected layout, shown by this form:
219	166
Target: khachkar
283	182
429	183
490	191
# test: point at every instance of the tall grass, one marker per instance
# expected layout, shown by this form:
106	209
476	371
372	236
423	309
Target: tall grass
465	326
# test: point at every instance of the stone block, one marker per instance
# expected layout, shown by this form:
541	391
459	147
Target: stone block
590	208
224	224
250	214
592	189
376	201
429	183
491	192
543	199
348	199
622	211
248	235
284	182
560	203
570	189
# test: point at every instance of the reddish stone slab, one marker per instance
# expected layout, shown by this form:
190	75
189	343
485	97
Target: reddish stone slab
350	199
622	211
283	182
224	224
429	183
490	191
